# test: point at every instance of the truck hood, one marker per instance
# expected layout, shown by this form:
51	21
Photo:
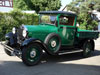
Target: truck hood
40	29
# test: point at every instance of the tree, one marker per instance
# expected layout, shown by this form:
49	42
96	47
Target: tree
82	8
37	5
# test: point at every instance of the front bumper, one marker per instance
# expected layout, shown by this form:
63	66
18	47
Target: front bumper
14	52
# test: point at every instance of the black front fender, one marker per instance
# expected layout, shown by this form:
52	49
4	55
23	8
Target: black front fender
32	40
28	41
12	38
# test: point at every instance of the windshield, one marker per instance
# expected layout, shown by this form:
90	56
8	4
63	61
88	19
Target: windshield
48	19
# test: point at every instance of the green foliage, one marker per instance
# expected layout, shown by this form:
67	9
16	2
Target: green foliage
82	8
37	5
14	19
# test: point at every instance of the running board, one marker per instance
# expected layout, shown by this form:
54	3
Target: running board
62	53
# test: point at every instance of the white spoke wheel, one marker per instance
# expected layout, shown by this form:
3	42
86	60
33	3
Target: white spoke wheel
32	54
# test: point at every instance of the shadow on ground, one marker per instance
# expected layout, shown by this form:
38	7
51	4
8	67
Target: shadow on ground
51	65
68	57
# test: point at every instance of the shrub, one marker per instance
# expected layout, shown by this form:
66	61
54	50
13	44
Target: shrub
14	19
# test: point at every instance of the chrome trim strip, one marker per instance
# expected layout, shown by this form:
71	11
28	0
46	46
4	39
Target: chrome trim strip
70	52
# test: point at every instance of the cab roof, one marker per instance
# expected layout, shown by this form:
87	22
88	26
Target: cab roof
57	12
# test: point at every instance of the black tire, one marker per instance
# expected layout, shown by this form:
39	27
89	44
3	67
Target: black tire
93	44
53	43
6	51
87	48
32	54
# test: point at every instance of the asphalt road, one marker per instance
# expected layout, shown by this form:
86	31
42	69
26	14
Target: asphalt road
71	64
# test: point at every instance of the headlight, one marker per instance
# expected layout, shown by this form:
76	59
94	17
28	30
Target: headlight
24	33
14	30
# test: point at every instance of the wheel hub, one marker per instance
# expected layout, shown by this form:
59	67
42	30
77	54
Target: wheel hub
32	53
87	50
53	43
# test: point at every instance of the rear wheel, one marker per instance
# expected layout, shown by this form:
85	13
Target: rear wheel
87	48
32	54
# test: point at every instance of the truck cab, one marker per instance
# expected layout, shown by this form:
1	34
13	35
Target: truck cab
67	28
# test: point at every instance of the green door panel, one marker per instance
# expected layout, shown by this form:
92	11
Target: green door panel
67	34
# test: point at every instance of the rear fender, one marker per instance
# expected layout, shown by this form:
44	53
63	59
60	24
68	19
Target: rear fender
91	40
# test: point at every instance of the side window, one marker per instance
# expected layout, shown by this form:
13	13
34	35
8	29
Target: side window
63	20
66	20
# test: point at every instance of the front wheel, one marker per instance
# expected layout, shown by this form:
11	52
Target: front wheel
87	48
32	54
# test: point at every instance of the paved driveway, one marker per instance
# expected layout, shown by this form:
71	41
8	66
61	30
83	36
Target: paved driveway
72	64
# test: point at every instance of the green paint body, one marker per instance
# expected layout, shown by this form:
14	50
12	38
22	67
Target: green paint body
70	35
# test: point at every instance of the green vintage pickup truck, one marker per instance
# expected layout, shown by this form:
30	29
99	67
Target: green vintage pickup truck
56	34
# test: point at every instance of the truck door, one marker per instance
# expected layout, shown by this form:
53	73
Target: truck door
67	29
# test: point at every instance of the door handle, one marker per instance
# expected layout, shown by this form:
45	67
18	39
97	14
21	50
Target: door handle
61	27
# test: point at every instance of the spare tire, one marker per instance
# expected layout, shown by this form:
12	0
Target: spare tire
53	43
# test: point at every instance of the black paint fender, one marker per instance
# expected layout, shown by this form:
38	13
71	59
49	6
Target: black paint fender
34	40
28	41
31	40
11	38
